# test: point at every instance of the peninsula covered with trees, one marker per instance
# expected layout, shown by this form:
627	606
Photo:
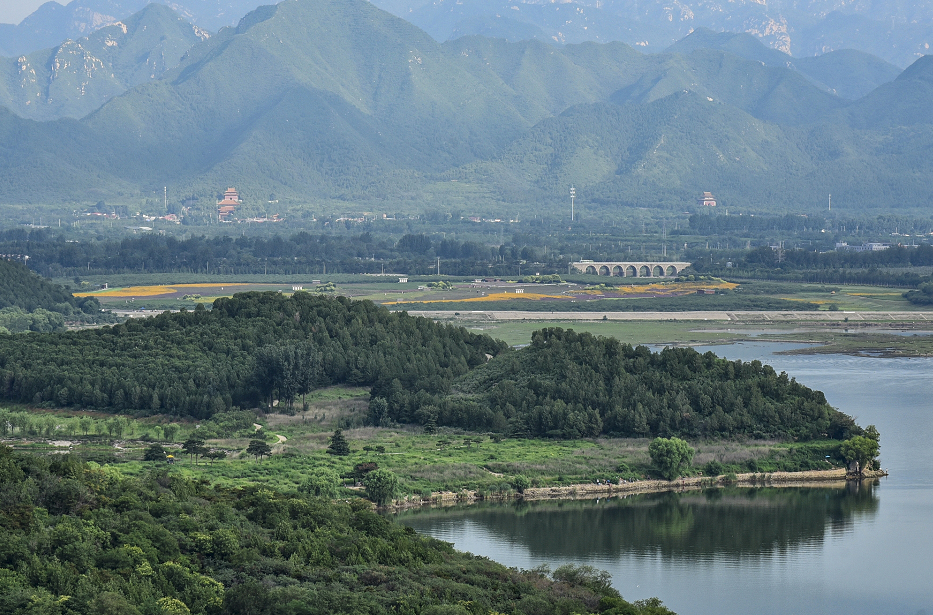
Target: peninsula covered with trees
254	348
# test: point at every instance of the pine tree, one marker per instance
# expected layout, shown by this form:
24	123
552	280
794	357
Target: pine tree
338	444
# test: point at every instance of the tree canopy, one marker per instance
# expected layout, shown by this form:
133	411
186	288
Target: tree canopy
569	385
79	539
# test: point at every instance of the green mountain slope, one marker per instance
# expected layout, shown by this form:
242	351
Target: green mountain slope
320	99
77	77
848	73
663	153
769	93
902	102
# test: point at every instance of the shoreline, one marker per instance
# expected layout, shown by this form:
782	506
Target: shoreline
588	491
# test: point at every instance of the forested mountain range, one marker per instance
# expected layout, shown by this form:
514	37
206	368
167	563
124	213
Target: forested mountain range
317	99
77	77
848	73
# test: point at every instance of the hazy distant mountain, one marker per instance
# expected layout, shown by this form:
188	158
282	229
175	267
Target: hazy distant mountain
336	99
898	31
53	23
847	73
77	77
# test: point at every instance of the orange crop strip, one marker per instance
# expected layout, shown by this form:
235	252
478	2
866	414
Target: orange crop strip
152	291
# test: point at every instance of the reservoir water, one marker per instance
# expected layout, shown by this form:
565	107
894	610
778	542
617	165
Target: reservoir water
860	549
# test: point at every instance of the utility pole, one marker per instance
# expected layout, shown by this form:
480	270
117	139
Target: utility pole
573	193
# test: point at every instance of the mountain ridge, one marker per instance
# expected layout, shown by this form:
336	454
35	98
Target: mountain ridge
336	99
77	77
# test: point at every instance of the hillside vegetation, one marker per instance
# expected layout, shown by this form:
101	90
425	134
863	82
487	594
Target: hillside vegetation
571	385
29	302
244	351
80	539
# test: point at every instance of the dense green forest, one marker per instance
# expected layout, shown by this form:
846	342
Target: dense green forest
81	539
257	347
570	385
29	302
300	252
202	362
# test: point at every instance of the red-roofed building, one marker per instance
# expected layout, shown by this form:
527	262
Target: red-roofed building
228	205
707	200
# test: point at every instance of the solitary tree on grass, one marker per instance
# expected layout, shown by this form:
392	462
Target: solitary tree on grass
170	431
155	452
215	455
338	444
671	456
258	448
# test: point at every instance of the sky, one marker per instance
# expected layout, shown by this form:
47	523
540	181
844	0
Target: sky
14	11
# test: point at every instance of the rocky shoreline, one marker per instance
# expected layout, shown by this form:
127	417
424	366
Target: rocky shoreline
813	478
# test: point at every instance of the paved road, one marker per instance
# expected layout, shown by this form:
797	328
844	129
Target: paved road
738	316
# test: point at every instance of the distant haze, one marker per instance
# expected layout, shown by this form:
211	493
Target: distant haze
14	11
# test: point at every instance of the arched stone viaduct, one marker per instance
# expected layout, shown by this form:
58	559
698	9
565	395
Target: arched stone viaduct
630	269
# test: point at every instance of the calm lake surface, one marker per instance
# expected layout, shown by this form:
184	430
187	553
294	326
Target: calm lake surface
863	549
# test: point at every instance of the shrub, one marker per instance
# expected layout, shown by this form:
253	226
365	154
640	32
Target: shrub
322	483
154	453
713	468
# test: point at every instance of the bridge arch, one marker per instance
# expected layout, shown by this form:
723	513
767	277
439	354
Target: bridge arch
644	271
671	270
591	270
631	272
657	271
618	271
604	270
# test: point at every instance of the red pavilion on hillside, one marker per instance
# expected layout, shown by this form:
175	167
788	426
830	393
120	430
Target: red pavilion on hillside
228	205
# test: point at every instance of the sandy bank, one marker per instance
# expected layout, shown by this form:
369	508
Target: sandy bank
812	478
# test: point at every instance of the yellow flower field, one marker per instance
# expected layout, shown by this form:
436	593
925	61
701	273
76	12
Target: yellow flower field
155	291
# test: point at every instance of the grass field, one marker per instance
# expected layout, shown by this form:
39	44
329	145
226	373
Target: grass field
450	460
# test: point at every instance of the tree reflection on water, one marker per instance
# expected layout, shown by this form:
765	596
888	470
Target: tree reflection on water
693	524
